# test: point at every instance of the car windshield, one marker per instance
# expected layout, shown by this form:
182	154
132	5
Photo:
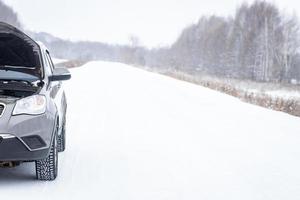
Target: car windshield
6	74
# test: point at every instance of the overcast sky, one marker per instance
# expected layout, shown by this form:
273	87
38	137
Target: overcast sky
155	22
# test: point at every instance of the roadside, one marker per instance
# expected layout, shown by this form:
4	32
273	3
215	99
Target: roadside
284	98
69	63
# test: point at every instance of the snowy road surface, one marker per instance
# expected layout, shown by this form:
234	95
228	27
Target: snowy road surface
136	135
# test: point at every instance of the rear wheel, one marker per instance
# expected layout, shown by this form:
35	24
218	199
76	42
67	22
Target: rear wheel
61	142
46	169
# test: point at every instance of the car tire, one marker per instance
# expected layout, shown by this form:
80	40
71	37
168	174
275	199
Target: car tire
46	169
61	143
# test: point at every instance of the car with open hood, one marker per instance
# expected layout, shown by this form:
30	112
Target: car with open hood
32	104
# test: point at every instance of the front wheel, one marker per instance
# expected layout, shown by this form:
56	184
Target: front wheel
46	169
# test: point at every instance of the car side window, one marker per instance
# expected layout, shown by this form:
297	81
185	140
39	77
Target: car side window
50	60
48	70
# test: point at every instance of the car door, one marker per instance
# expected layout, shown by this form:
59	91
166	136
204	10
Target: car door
57	92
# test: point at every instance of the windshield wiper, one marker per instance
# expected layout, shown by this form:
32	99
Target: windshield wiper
15	80
32	71
9	67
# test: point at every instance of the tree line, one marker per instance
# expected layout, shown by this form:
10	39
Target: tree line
258	43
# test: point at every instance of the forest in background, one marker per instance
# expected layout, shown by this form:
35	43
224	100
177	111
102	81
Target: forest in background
258	43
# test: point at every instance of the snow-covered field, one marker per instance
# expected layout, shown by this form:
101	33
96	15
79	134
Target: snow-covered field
136	135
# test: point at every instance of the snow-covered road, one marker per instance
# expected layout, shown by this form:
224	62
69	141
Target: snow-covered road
136	135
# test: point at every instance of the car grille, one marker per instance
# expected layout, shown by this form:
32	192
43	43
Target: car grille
1	109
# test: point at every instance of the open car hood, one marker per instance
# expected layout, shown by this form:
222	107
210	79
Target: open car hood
19	50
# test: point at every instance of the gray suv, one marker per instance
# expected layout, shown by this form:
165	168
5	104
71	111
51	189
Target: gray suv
32	104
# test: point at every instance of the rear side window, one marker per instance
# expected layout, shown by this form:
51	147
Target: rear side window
47	65
49	60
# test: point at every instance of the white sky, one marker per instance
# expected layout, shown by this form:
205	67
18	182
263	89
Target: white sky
155	22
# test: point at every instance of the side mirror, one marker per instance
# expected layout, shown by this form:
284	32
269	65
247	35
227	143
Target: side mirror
60	74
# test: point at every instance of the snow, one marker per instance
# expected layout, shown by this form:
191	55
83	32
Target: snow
136	135
58	60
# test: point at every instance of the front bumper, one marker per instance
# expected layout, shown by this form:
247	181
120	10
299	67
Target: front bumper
22	149
26	137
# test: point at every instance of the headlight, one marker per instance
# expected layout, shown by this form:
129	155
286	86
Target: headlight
32	105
